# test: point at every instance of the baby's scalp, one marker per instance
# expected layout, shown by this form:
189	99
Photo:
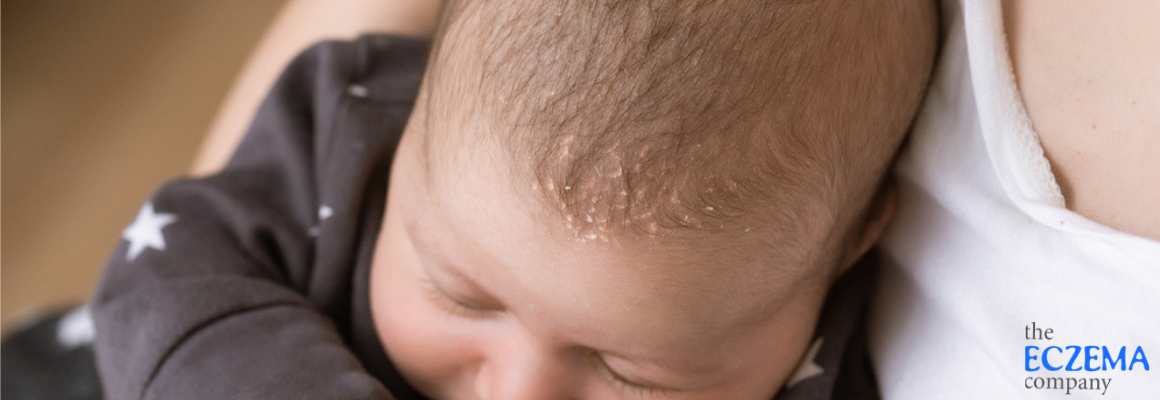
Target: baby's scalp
675	119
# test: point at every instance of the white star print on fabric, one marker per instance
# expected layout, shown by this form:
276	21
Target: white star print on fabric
145	231
324	212
808	369
76	329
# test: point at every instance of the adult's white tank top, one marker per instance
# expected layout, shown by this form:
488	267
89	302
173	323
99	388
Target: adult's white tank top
983	247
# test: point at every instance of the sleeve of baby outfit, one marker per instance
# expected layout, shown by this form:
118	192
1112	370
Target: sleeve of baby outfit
207	296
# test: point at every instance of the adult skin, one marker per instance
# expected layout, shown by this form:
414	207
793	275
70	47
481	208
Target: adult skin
1088	73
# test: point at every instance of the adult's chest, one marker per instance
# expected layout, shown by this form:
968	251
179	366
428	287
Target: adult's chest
1087	72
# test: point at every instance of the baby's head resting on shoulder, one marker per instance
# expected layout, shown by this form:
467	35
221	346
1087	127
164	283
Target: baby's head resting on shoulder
603	199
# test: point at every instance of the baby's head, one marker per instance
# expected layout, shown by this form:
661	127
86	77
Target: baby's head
622	199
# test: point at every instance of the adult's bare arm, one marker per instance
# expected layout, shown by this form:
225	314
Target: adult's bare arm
299	24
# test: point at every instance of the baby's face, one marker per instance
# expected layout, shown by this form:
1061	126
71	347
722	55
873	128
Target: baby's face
475	297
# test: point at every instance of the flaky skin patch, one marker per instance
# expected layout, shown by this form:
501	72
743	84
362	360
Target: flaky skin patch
648	187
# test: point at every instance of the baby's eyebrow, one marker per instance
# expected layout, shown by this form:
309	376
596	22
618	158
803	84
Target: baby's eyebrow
693	372
420	238
696	354
452	269
427	252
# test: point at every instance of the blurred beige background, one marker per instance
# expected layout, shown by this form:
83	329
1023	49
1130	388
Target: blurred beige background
102	101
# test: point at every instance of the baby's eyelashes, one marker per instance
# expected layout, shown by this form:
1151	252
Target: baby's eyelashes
455	304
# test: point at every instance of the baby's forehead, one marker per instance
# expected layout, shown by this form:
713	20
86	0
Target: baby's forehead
664	302
664	283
